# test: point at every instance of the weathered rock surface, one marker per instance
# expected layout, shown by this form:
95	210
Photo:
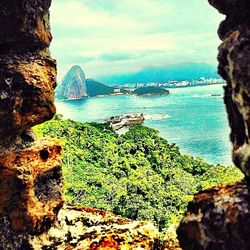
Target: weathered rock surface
27	71
73	86
237	14
218	218
234	67
31	186
24	21
30	169
84	229
26	93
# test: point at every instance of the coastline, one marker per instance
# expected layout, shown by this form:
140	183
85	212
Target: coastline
146	95
188	109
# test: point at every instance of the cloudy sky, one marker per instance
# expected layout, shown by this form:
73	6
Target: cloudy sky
119	36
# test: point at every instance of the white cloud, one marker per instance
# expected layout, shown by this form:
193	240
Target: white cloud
149	31
74	14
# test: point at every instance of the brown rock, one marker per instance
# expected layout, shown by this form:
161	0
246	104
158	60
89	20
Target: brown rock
24	26
31	186
86	229
26	94
228	6
27	71
234	67
238	14
30	170
218	218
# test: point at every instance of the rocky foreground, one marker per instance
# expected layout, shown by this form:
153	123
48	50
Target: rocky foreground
84	229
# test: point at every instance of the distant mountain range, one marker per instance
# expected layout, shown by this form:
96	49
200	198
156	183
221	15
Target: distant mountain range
74	86
184	71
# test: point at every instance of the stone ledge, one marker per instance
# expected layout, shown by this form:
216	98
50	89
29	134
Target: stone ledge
88	229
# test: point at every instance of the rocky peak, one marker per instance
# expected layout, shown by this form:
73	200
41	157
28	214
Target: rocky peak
73	86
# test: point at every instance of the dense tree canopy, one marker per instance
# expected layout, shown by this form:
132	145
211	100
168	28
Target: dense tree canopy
96	88
151	90
137	175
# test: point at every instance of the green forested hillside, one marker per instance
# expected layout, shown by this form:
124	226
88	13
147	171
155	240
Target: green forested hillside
96	88
151	90
137	175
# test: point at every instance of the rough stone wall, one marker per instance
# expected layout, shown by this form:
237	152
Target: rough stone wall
30	169
234	67
32	215
27	71
84	229
219	218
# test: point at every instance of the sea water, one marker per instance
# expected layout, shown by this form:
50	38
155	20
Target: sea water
194	118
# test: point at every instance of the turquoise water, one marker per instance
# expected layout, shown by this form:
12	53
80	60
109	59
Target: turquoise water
190	117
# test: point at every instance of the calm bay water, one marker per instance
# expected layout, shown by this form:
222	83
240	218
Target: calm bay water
190	117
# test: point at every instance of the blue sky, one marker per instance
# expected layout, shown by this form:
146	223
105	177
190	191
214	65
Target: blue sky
119	36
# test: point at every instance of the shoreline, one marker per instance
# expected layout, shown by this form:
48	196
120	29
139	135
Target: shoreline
150	95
